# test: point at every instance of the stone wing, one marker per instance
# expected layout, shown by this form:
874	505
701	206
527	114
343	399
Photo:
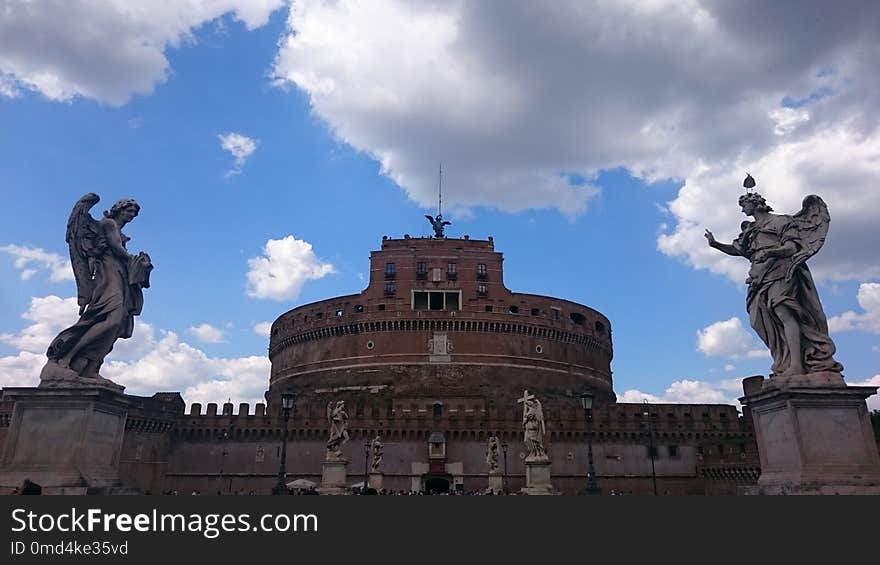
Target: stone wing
86	244
812	221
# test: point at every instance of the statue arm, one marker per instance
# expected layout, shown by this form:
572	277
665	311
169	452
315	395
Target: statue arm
729	248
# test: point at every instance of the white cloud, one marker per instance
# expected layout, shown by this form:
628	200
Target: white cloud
868	320
31	259
839	163
240	146
728	368
685	392
22	369
286	264
176	366
48	316
728	339
207	333
143	364
515	101
107	50
263	328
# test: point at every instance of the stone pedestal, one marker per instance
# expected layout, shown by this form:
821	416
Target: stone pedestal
496	482
68	440
538	477
813	438
334	477
375	481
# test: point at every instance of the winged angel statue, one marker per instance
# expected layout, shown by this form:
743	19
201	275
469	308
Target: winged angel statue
782	300
439	224
109	283
337	417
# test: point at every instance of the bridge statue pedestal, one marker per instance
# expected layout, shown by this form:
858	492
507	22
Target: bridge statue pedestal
814	436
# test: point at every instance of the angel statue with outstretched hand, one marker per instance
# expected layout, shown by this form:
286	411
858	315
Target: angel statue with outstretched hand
109	283
782	300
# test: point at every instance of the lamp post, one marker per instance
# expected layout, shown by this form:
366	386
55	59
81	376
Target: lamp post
366	463
587	404
646	414
287	399
505	484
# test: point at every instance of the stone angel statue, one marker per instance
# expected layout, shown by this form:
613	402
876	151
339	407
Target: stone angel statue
337	417
109	283
492	449
782	300
376	451
438	224
533	427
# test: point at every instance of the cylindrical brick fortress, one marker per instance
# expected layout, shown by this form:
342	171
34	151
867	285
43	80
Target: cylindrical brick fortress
437	321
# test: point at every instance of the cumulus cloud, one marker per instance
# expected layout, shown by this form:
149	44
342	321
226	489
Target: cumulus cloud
687	392
144	364
47	315
207	333
523	103
173	365
30	260
240	146
263	328
728	339
286	264
106	50
868	320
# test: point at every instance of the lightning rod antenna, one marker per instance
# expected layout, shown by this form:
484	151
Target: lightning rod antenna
440	192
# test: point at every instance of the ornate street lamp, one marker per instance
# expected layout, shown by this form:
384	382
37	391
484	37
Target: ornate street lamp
366	463
646	414
287	399
505	484
587	404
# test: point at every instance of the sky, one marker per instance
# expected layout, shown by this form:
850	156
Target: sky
271	145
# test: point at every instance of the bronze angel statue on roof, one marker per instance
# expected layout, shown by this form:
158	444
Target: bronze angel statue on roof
438	224
782	300
109	283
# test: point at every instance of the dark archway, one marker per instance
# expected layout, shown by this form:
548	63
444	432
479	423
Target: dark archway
437	483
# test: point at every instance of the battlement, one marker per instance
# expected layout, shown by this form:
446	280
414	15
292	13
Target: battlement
244	409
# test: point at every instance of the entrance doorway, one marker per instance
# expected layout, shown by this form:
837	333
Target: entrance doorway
437	484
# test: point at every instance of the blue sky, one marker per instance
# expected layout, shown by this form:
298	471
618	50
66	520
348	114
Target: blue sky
595	162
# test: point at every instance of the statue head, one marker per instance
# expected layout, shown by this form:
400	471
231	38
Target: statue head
752	202
125	209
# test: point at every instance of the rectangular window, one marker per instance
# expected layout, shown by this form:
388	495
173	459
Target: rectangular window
390	270
436	275
481	269
436	300
673	450
452	301
421	271
420	301
451	272
482	290
556	312
390	288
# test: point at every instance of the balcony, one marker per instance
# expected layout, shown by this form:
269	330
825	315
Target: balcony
421	275
482	276
451	276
